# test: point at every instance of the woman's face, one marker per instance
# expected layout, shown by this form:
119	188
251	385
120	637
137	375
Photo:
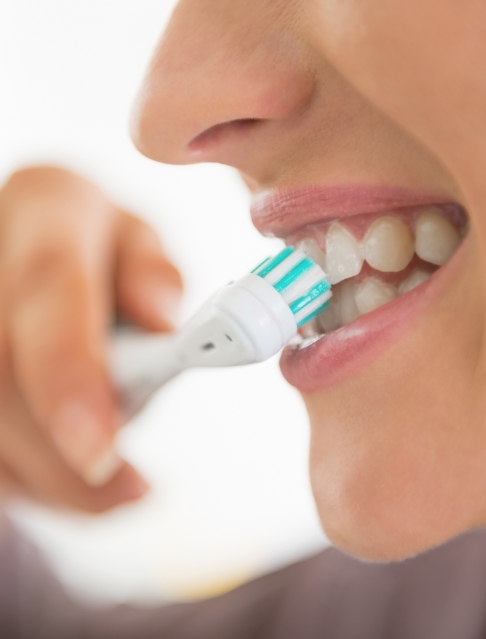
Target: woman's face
360	125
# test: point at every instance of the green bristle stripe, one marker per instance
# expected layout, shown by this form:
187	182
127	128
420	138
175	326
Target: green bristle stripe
267	259
293	275
278	259
321	287
312	315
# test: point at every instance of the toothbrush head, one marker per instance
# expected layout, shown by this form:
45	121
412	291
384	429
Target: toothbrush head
246	321
255	317
301	282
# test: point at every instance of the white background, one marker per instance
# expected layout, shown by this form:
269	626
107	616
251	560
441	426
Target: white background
226	451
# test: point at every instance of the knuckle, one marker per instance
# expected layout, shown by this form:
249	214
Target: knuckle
43	178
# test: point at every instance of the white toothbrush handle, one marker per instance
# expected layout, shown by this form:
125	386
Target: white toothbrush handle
244	322
140	363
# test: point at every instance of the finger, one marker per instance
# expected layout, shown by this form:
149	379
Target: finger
32	466
9	484
54	274
57	353
57	485
148	286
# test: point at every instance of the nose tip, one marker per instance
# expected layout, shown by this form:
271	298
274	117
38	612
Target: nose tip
213	83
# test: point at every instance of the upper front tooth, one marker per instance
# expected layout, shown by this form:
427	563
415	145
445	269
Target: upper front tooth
343	255
435	238
311	248
372	294
388	245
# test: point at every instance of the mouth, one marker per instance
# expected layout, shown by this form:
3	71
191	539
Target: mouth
387	253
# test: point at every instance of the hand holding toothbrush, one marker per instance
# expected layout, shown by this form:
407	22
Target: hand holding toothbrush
65	251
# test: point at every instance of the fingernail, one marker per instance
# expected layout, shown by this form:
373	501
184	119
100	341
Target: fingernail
79	436
166	303
138	488
103	469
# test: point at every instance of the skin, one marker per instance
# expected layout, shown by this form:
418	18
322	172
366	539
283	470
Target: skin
315	92
69	259
380	91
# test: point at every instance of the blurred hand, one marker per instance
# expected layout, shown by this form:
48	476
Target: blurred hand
70	260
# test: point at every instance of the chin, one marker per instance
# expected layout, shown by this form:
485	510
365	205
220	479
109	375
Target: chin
386	517
370	541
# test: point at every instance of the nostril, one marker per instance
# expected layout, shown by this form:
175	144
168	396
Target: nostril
217	133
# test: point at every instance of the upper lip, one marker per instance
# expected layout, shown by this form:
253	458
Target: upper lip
281	212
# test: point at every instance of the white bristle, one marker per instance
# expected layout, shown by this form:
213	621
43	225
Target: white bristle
284	267
304	284
313	306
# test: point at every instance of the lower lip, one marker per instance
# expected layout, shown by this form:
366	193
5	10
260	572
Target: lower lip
344	353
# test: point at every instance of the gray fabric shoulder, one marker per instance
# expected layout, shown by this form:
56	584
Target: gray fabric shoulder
438	595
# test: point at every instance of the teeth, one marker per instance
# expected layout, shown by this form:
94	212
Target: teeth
347	302
330	319
413	280
342	309
372	294
435	238
388	245
314	251
343	254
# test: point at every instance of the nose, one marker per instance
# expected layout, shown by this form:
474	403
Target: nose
224	73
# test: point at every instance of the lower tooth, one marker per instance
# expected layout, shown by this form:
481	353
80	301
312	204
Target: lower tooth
342	309
413	280
347	302
330	319
372	294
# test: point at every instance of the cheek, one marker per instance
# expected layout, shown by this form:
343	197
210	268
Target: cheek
398	452
422	62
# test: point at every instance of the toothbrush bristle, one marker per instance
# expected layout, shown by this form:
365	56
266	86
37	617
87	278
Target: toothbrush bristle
302	283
